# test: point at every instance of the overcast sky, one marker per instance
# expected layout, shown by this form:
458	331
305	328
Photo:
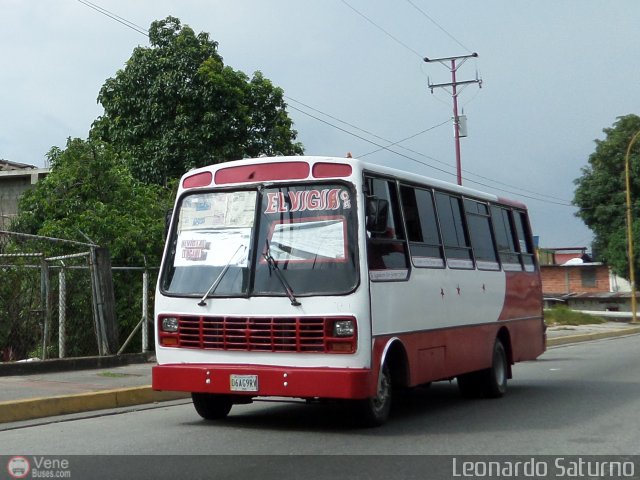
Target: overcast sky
554	72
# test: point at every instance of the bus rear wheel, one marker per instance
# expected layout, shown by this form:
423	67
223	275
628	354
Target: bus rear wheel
488	383
210	406
374	411
497	375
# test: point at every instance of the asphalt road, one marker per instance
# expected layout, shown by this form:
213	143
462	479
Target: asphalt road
580	399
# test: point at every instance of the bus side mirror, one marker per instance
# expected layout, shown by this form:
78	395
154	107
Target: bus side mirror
377	214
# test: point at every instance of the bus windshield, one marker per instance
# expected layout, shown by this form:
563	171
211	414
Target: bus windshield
230	243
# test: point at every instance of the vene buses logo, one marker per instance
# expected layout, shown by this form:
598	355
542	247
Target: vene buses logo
38	467
18	467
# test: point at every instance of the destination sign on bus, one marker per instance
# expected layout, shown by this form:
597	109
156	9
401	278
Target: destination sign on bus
312	200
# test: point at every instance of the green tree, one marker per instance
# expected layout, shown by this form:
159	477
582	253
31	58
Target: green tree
176	106
601	193
90	193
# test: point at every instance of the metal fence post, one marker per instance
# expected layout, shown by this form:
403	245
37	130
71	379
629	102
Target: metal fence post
43	302
62	312
145	310
97	321
46	305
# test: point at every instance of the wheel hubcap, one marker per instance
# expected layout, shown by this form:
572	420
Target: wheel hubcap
500	369
383	393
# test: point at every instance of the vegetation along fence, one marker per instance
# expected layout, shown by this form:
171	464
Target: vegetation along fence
61	298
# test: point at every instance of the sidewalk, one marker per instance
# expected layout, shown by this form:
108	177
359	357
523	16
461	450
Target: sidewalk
32	390
562	335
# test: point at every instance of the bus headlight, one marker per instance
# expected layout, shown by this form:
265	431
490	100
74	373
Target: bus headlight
344	328
170	324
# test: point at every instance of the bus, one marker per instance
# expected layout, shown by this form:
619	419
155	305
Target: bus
335	278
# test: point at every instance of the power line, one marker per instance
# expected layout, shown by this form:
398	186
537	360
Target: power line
407	138
560	201
371	133
367	140
438	25
333	118
395	39
389	142
117	18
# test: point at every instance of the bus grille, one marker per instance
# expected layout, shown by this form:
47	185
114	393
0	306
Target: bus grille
289	334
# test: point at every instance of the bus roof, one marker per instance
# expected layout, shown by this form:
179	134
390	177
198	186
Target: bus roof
287	168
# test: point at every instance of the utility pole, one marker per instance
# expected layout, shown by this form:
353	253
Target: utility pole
450	63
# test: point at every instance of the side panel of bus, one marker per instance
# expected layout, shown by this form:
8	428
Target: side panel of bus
448	276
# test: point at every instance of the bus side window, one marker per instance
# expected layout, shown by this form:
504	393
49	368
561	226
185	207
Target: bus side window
386	248
505	238
527	255
479	223
454	234
422	227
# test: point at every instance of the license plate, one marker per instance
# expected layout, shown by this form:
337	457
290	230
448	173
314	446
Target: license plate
243	383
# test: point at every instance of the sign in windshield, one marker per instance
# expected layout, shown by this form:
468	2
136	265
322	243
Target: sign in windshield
310	240
211	227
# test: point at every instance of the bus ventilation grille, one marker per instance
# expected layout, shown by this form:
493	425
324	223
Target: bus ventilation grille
253	334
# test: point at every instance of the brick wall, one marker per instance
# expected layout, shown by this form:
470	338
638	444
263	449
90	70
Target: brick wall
575	279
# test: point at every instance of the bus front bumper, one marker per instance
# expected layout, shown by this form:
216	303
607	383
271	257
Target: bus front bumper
260	380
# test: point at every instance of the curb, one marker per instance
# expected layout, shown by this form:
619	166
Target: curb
29	409
73	363
585	337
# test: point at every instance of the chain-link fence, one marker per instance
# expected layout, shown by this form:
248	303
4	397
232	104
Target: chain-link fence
61	298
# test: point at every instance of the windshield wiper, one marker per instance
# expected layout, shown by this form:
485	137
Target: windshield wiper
218	279
273	265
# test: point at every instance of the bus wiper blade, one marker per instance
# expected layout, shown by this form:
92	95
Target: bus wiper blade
218	279
287	288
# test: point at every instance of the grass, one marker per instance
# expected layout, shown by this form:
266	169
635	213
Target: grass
565	316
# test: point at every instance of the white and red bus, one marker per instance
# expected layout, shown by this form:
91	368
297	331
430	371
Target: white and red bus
334	278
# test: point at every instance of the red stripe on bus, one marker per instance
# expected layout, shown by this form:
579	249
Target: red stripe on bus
434	355
262	172
201	179
328	170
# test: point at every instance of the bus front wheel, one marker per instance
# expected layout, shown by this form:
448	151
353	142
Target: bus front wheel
374	411
210	406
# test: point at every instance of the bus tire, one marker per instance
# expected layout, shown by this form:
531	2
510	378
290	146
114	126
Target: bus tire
374	411
497	375
488	383
210	406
